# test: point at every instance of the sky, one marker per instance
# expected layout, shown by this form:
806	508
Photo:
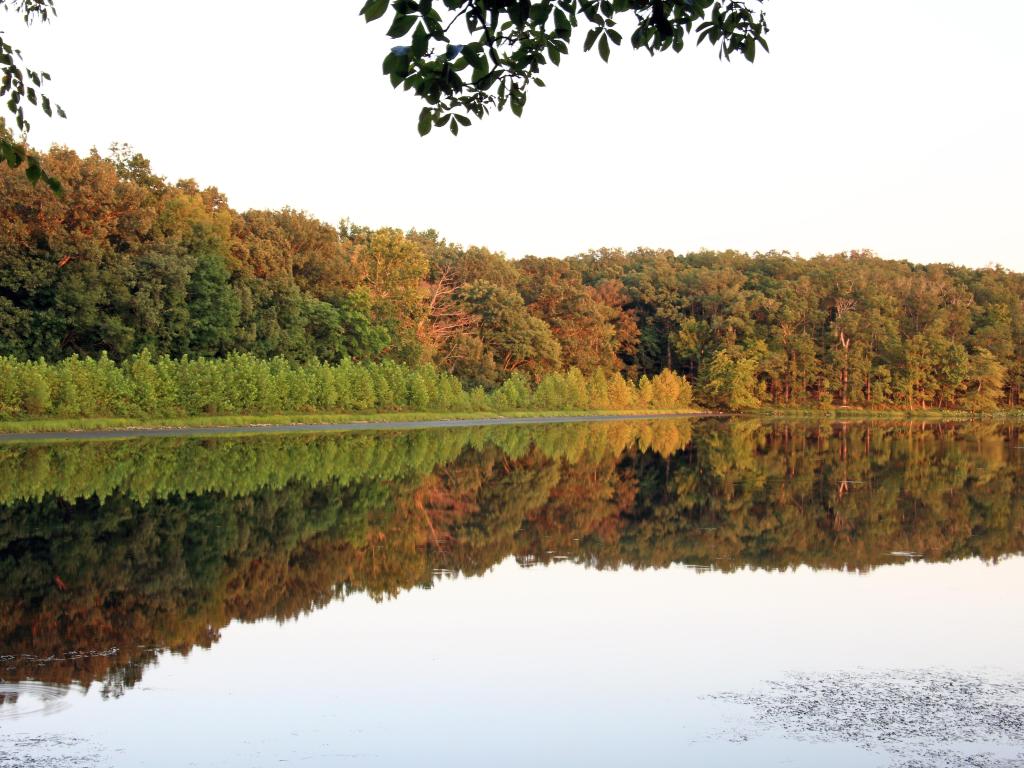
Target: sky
894	126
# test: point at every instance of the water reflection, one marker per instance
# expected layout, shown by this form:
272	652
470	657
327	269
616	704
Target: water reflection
113	551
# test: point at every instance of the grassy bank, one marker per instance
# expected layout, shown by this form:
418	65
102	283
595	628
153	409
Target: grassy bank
26	426
37	426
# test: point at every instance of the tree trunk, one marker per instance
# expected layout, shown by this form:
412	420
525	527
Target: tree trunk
845	341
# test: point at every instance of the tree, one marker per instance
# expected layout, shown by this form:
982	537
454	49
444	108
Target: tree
985	381
844	306
671	391
446	326
213	306
470	56
512	338
582	324
18	84
731	381
393	269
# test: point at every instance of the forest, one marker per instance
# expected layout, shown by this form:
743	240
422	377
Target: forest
125	265
112	550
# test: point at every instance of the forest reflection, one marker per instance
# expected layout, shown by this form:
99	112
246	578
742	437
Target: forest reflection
113	551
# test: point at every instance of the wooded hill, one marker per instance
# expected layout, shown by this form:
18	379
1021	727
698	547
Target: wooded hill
125	261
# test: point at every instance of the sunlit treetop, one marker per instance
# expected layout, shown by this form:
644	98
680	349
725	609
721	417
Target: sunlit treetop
466	57
18	84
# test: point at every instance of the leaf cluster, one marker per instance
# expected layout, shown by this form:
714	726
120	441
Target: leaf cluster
19	84
467	57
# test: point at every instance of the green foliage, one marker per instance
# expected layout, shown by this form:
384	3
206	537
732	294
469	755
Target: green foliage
241	383
730	381
125	262
466	57
669	390
513	339
213	307
985	381
19	85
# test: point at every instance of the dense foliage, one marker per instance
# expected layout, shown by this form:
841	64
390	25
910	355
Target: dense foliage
126	262
465	57
112	550
245	384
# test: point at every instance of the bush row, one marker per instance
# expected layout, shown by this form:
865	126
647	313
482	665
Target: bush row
143	386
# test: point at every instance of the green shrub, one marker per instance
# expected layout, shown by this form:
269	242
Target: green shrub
246	384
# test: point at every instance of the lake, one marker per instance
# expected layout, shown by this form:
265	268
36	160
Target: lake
708	592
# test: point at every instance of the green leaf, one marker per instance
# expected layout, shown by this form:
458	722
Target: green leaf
374	9
401	26
602	47
420	40
471	53
426	121
8	154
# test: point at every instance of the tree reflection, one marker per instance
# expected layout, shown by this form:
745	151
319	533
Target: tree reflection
110	552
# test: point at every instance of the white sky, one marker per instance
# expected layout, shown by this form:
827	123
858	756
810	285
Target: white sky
890	125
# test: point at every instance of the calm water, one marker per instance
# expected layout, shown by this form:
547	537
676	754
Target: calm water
694	592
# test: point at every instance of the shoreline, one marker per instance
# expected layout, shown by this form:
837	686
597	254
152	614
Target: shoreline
202	426
209	426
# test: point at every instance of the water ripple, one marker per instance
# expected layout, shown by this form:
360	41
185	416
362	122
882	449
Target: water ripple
31	698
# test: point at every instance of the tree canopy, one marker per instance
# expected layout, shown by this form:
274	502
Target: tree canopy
126	261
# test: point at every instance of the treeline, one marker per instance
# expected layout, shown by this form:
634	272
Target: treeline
109	554
245	384
126	261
